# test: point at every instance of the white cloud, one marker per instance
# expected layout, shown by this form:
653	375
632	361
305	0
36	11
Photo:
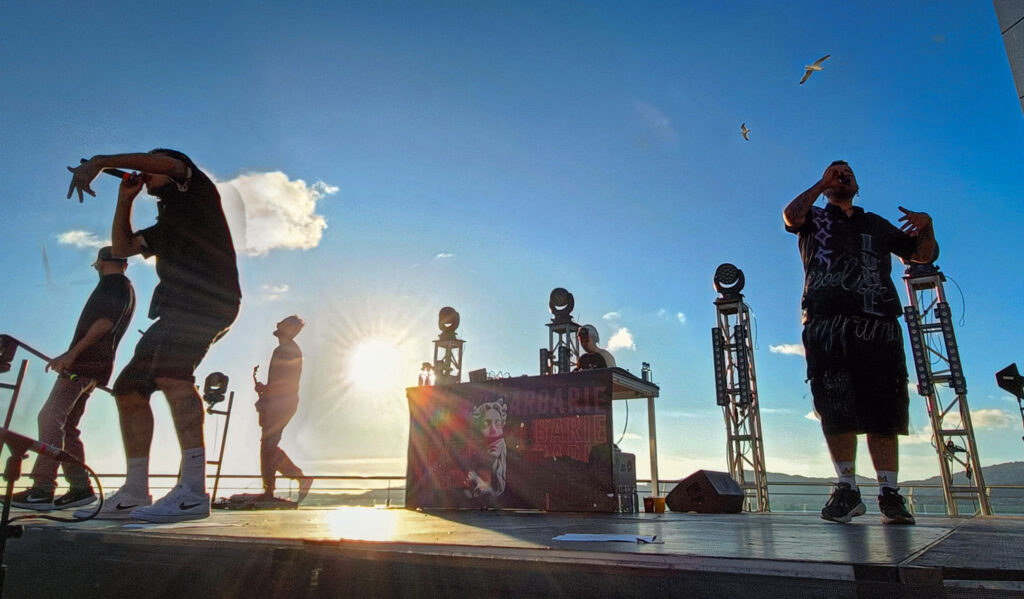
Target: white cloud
811	416
622	339
992	418
654	125
274	292
662	312
81	239
611	316
789	349
443	255
632	436
268	211
681	317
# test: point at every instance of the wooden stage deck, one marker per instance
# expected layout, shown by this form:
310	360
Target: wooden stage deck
374	552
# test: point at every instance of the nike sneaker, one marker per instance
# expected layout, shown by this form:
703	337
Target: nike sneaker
34	499
181	504
118	506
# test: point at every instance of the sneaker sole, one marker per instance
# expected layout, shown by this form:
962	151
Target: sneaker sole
108	515
858	510
37	507
76	503
899	520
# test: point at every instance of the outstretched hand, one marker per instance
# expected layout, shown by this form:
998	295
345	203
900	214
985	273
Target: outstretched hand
81	179
61	363
914	222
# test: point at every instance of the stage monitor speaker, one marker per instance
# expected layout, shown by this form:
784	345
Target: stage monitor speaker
706	492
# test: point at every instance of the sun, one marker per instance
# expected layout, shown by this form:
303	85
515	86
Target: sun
375	364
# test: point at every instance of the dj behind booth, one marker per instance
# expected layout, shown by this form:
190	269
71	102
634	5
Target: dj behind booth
532	442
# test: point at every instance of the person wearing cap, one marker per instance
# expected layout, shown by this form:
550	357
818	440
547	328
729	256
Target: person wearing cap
194	304
88	362
277	403
593	356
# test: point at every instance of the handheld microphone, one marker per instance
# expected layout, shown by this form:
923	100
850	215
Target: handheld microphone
114	172
20	444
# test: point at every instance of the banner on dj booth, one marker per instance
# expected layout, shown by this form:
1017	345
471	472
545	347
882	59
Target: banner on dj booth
540	442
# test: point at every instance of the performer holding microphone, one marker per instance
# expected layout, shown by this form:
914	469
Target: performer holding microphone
852	337
277	403
194	304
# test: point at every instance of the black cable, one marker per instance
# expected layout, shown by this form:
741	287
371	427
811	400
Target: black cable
754	318
42	516
963	300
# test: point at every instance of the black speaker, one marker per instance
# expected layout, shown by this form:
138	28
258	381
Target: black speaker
706	492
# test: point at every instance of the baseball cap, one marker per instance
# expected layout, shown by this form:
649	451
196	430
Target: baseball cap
106	254
591	331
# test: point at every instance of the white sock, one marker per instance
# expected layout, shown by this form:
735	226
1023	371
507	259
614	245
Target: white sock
193	469
886	479
136	480
847	473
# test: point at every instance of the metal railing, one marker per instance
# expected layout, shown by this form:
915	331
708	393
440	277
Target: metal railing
389	491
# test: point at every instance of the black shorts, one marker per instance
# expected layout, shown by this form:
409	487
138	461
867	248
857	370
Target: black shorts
172	348
858	374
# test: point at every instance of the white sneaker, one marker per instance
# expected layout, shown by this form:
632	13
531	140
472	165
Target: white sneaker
118	506
181	504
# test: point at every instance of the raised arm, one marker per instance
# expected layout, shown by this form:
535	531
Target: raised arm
796	211
155	164
123	240
919	225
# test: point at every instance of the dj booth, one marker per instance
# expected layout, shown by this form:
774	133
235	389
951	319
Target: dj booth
539	442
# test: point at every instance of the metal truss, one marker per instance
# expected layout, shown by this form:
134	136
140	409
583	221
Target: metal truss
736	392
937	360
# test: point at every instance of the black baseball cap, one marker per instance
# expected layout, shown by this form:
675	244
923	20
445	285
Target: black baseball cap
106	254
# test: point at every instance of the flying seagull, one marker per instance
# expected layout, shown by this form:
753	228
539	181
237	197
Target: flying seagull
813	67
745	132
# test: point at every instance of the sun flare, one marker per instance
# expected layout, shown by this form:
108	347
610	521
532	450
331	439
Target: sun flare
375	364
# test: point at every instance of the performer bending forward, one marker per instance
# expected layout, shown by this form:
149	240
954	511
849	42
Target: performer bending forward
854	345
278	400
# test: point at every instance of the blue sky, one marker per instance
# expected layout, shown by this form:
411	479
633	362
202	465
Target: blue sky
394	158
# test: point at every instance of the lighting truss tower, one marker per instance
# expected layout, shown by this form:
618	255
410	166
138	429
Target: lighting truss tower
563	350
736	387
937	360
448	349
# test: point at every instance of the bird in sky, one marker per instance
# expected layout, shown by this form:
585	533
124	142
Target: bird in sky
813	67
745	132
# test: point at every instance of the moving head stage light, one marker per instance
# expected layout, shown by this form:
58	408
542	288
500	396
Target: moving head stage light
214	387
561	303
729	281
448	322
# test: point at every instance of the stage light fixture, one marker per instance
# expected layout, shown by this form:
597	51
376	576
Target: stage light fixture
448	322
924	381
561	303
742	365
1010	380
214	387
729	281
718	347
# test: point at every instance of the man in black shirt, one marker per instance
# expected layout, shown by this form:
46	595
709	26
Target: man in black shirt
87	363
593	356
194	304
852	338
277	403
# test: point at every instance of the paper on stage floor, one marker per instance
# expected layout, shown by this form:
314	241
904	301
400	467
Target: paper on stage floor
584	537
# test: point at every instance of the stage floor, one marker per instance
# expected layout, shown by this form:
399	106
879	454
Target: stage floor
373	552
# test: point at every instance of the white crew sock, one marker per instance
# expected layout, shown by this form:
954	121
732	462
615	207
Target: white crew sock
136	480
887	479
847	473
193	469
